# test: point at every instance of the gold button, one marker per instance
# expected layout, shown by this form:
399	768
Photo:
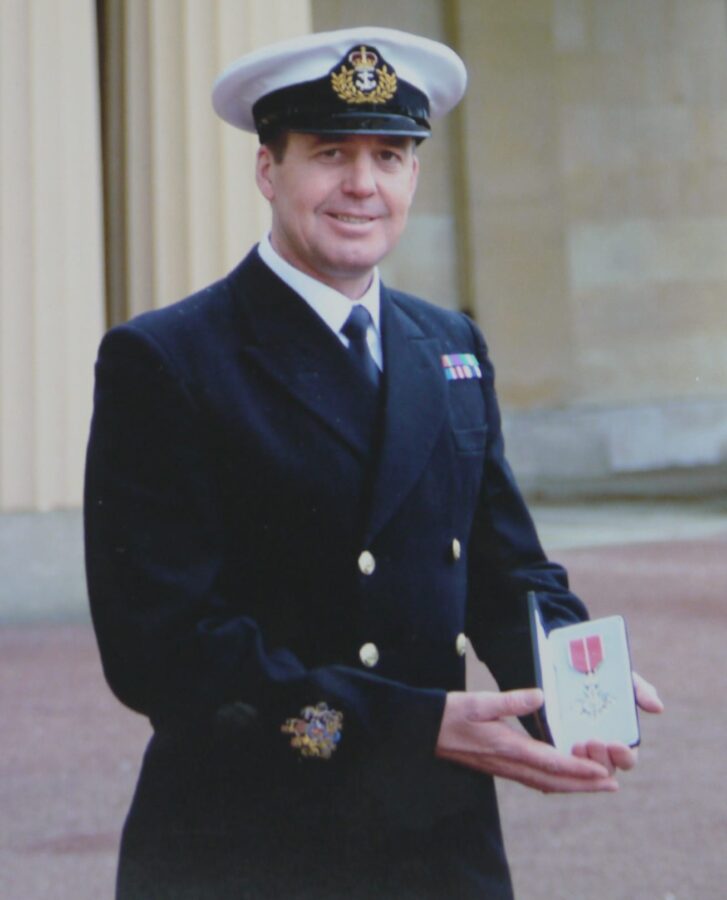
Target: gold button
456	549
461	644
369	655
366	563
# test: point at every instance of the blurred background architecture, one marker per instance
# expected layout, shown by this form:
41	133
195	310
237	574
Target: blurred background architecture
576	206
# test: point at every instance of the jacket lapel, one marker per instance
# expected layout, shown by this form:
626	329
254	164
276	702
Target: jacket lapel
414	412
298	351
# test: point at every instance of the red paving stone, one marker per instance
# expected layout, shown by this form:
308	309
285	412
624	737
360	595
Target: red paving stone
71	752
69	763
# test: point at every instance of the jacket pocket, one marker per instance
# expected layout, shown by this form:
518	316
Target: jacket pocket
470	440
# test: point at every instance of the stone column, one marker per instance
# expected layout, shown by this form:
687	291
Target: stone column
192	209
51	248
181	204
515	215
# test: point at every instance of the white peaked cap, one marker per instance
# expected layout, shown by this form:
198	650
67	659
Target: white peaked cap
300	70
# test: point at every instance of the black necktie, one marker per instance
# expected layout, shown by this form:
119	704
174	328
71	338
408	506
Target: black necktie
355	328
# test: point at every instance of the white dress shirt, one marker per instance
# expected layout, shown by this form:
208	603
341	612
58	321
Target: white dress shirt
329	304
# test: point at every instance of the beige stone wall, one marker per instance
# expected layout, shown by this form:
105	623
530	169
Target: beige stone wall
596	133
596	140
644	161
515	212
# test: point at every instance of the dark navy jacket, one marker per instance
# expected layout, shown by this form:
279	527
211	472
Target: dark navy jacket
238	466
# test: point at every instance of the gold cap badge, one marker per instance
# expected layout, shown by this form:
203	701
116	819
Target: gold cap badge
363	82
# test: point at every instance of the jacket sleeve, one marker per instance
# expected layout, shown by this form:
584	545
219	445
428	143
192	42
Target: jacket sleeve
172	645
506	561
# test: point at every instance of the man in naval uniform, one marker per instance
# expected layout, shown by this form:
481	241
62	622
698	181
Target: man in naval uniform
297	506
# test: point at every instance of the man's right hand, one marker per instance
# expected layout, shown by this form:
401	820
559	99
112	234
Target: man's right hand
474	733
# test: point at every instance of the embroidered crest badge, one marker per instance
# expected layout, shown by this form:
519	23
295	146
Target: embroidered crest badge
317	733
363	82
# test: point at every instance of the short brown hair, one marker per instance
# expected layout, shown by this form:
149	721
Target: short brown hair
277	144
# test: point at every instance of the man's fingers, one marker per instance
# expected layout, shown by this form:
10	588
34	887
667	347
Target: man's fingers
547	759
486	706
597	752
623	757
611	756
549	782
492	738
474	733
500	742
647	696
555	782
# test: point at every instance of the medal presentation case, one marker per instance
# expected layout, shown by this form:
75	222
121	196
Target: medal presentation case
584	671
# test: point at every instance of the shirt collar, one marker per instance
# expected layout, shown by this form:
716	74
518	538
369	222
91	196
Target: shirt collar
331	305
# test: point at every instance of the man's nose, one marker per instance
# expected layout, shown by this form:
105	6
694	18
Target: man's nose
360	178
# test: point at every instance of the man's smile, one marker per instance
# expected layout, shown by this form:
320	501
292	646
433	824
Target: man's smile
351	219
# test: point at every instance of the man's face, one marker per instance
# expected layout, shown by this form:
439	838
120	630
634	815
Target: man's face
339	203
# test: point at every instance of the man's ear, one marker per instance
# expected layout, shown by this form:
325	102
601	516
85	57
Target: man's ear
263	165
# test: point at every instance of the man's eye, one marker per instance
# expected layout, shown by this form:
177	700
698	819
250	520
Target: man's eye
389	156
331	152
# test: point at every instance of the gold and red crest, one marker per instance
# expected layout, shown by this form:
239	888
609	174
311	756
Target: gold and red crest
363	82
317	732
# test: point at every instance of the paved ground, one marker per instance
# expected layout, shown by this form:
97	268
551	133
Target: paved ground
664	836
70	753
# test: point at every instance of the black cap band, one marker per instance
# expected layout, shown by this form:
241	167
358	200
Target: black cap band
362	94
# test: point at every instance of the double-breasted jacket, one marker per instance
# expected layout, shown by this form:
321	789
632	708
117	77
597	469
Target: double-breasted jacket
274	546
